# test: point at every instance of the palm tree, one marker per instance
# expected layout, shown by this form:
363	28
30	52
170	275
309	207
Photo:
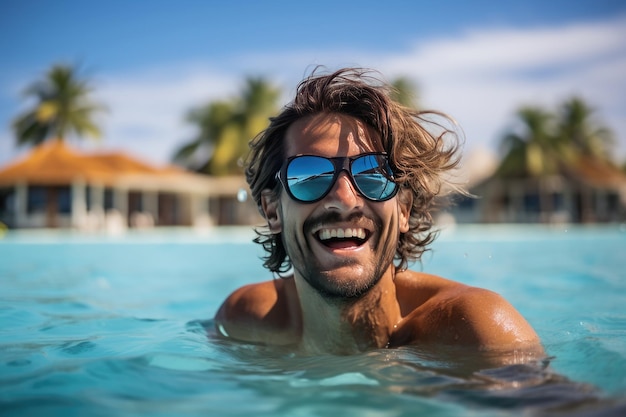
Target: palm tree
252	111
584	143
532	153
578	131
211	120
63	108
557	144
404	91
226	127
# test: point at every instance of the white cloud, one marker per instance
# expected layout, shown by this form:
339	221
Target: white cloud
483	77
147	110
480	78
495	51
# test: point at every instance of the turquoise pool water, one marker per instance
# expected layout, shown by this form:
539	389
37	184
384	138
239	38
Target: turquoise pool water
116	326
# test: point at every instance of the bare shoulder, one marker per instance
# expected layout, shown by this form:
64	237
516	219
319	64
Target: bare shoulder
259	312
413	289
439	310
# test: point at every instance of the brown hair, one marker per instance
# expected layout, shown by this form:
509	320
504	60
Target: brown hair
413	140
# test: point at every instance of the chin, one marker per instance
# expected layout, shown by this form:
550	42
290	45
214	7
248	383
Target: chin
341	284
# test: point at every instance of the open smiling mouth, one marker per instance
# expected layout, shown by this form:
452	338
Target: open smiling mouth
343	238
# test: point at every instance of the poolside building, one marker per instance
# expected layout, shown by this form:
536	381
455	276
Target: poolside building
589	191
55	186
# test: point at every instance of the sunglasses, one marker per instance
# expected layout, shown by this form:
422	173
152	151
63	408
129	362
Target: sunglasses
309	178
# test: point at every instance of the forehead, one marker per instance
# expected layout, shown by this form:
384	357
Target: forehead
331	134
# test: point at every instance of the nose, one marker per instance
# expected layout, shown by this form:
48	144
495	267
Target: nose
343	195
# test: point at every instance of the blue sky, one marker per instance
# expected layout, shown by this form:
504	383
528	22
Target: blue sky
151	61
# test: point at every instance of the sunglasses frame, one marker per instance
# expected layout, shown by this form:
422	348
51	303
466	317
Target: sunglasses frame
340	164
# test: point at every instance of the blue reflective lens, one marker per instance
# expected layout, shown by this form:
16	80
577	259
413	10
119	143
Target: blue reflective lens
308	178
373	177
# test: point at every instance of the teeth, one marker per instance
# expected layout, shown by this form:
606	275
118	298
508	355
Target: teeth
326	234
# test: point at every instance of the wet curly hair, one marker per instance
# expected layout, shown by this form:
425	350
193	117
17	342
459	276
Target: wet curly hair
421	145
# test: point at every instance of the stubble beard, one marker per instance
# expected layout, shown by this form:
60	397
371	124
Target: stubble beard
345	288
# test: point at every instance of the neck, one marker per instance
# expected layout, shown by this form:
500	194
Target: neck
348	326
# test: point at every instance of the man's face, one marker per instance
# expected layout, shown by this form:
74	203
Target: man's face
337	267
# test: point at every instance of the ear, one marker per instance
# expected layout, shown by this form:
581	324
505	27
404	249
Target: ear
405	203
270	206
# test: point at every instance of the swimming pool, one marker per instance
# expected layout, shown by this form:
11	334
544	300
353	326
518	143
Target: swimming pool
115	326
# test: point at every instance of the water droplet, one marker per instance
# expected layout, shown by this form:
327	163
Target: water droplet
242	195
222	330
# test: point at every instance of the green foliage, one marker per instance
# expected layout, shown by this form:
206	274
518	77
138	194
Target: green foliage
404	91
577	129
63	107
531	152
544	142
225	128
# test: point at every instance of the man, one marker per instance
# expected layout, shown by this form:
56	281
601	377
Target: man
347	179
